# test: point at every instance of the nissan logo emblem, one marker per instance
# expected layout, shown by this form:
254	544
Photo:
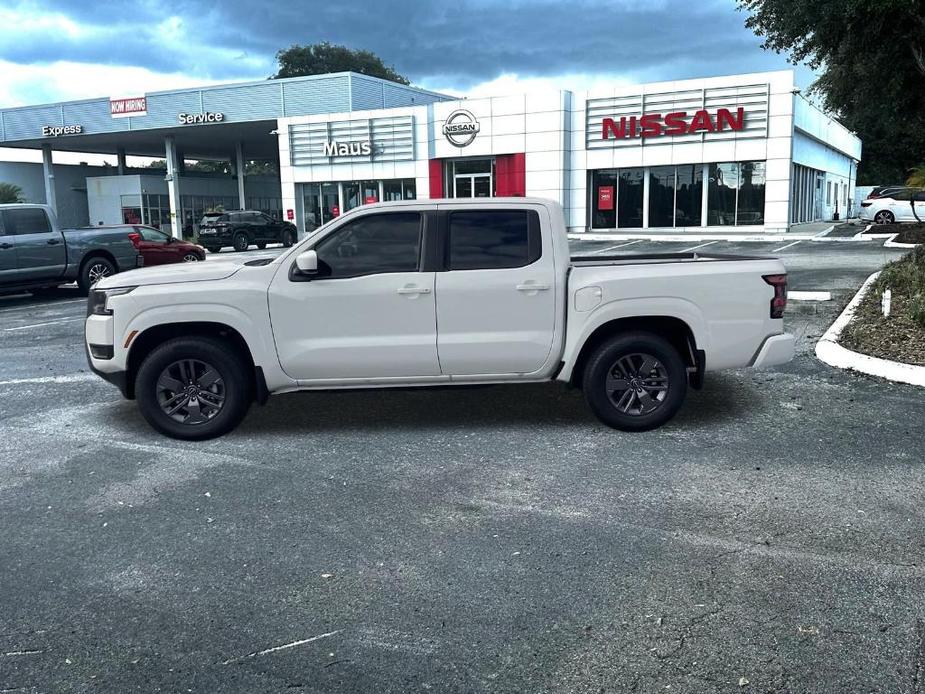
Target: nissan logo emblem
460	128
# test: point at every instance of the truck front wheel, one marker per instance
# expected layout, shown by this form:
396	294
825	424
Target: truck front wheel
193	388
635	382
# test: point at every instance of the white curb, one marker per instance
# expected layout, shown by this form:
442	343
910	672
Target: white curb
890	243
829	351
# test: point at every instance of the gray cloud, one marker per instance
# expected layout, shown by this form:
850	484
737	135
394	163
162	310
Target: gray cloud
455	43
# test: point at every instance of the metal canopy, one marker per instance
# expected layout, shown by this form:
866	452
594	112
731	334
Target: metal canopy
214	141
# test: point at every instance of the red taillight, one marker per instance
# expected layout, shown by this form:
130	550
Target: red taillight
864	203
135	238
779	302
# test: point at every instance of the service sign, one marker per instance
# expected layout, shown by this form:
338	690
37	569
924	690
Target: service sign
129	106
200	118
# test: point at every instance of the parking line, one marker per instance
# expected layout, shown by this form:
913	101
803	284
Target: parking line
782	248
70	378
613	248
39	325
702	245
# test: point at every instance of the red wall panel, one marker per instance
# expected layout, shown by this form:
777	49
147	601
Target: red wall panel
436	178
510	175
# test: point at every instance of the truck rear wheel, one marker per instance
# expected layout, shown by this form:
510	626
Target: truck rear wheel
635	382
193	388
92	271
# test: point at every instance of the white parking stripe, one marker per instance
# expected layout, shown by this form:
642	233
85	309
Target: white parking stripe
613	248
809	296
777	250
70	378
39	325
702	245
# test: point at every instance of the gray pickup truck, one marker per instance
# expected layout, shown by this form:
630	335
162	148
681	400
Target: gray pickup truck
35	254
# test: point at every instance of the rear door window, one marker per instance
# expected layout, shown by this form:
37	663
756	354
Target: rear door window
493	239
29	220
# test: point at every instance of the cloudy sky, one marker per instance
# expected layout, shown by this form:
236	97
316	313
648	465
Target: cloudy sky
53	50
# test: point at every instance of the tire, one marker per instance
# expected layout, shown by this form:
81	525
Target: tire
261	245
884	217
288	238
241	242
168	367
634	359
191	258
92	271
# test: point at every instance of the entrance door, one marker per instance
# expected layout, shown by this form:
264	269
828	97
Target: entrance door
473	178
369	314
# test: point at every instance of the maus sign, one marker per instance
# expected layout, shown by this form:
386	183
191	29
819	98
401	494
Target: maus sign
348	149
675	123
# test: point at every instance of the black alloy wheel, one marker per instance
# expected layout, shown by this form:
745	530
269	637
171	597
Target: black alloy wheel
635	381
241	242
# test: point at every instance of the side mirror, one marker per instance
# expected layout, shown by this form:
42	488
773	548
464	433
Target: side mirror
307	262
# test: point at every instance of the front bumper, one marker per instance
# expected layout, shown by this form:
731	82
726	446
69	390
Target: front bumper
118	378
777	349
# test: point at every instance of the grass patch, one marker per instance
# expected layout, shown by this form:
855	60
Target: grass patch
901	337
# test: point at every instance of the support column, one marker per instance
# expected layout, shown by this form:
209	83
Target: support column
120	161
173	186
48	168
239	170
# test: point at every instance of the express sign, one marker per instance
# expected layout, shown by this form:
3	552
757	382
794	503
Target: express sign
671	124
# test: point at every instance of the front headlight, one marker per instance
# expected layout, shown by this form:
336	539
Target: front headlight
98	301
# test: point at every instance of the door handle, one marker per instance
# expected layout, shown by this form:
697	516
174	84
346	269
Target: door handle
53	242
407	290
531	286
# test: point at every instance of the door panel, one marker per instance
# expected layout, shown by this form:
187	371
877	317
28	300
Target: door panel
495	320
8	269
368	313
377	326
40	250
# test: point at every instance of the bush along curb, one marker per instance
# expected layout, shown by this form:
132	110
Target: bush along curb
829	351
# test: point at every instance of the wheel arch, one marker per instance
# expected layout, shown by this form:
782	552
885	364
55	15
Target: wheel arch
147	340
673	329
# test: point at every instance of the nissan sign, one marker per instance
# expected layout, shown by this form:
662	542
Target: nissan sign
460	128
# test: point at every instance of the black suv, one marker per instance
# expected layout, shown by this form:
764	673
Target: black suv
243	228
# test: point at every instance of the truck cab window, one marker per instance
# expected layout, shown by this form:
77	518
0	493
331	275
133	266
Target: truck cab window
29	220
493	239
373	244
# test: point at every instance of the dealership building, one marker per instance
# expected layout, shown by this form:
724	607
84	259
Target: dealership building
739	153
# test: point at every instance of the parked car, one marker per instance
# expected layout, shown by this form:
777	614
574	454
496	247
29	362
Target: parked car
35	254
159	248
243	228
884	192
896	207
430	293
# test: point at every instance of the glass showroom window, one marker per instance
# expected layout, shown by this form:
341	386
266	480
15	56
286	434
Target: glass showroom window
604	199
629	198
689	196
661	196
736	193
400	189
675	195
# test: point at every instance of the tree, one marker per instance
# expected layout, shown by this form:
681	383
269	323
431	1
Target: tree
10	193
322	58
917	176
871	59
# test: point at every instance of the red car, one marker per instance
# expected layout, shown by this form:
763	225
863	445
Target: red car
158	248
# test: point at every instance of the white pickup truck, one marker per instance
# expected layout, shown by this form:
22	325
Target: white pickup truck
433	293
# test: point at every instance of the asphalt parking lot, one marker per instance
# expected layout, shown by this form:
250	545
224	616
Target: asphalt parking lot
770	539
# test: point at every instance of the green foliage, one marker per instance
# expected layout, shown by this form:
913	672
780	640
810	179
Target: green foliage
906	277
871	54
322	58
917	176
10	193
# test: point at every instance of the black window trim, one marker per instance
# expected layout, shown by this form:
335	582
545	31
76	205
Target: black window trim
534	237
425	231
